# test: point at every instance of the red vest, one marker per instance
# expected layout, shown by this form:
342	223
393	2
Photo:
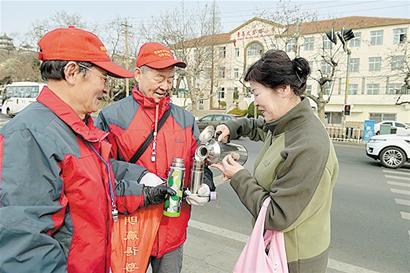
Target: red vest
174	139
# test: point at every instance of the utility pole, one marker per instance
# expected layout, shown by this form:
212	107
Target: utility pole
348	52
344	36
212	57
297	36
127	81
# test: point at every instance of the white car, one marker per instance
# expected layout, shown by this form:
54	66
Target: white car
392	150
399	126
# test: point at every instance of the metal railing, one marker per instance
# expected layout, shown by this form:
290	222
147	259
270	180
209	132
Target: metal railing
349	134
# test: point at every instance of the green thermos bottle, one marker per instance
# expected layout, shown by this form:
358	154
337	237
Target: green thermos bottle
172	205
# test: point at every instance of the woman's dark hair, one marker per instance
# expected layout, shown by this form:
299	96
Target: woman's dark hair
54	70
275	68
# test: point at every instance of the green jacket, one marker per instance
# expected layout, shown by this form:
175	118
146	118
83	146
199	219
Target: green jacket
297	167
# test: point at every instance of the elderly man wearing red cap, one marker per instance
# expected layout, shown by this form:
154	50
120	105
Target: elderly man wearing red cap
58	191
174	135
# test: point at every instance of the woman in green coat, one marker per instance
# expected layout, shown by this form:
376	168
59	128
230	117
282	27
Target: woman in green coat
296	167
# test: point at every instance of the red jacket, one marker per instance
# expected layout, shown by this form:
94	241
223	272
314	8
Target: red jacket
57	191
130	121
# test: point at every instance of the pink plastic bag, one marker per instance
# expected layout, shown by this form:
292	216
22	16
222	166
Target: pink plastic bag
253	258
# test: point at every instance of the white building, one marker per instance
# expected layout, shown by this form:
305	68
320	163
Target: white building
379	62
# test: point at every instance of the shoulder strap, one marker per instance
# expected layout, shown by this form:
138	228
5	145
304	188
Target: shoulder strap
148	140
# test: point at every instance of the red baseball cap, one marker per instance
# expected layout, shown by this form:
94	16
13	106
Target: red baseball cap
74	44
157	56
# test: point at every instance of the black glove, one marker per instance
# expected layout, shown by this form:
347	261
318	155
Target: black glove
155	195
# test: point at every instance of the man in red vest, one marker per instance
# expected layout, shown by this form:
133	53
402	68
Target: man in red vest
59	194
133	118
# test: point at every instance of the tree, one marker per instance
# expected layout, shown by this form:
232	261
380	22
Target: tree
123	44
178	30
112	34
289	18
329	61
289	35
59	19
402	63
19	66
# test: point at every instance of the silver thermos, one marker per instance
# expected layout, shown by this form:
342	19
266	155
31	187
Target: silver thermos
211	151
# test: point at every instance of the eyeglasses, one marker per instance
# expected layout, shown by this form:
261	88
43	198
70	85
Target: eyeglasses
104	77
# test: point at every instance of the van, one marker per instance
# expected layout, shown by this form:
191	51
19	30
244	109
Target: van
18	96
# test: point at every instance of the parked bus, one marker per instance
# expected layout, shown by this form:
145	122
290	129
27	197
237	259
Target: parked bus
19	95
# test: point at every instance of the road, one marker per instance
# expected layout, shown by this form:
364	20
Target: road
370	220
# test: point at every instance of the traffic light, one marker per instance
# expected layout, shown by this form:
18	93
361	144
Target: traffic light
344	36
347	109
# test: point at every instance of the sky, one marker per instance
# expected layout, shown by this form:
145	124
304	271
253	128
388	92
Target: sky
16	17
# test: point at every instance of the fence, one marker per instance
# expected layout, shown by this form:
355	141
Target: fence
349	134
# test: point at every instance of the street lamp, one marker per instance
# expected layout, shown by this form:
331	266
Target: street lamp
344	35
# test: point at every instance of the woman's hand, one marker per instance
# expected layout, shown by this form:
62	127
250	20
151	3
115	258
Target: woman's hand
229	167
222	133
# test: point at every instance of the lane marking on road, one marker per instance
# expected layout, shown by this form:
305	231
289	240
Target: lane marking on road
397	172
402	202
219	231
396	177
405	215
400	191
333	264
347	268
401	170
398	184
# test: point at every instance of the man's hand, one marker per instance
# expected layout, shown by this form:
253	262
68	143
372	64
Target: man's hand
155	195
199	199
151	180
222	133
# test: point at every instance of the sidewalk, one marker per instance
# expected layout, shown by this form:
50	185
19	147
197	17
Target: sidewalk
208	253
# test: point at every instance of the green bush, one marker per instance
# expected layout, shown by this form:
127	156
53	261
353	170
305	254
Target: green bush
238	112
251	110
222	104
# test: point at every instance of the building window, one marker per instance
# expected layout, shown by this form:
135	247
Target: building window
291	45
221	72
236	73
201	104
327	88
237	52
355	42
376	37
309	89
333	117
354	64
379	117
221	93
308	43
326	68
327	44
393	88
255	49
399	35
375	63
397	62
311	65
353	89
222	52
373	89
